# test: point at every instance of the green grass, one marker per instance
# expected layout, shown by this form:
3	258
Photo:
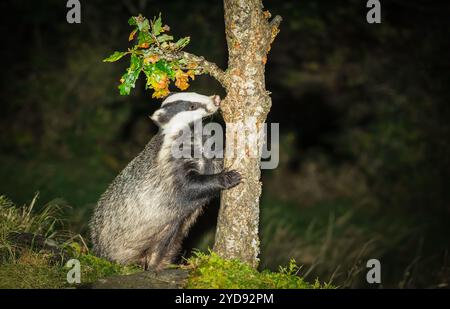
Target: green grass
209	271
26	267
25	220
29	276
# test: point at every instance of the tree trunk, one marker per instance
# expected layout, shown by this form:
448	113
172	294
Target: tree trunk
249	35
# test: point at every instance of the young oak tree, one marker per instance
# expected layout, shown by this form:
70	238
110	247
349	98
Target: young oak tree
250	32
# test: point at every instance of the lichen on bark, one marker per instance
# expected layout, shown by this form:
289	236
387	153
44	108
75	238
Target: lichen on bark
249	36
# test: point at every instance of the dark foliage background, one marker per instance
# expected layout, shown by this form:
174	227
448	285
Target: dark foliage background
363	111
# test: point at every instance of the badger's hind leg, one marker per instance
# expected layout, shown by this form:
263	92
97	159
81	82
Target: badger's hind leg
173	249
168	243
156	256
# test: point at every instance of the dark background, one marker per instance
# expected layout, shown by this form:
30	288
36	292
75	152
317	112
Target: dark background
363	112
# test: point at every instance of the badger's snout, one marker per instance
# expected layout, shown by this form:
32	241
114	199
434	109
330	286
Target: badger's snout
213	105
216	99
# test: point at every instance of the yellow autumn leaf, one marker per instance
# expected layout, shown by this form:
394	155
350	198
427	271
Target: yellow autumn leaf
160	85
132	34
192	65
144	45
191	74
151	59
161	93
182	79
160	82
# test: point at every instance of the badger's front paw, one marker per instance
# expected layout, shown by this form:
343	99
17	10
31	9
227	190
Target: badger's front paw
231	179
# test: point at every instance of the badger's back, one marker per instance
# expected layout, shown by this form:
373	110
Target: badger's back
131	208
145	205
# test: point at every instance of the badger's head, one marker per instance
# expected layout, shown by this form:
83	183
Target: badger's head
183	108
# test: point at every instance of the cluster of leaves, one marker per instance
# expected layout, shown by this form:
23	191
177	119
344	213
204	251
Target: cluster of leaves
155	54
211	271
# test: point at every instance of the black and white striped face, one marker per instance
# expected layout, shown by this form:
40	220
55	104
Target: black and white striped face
181	109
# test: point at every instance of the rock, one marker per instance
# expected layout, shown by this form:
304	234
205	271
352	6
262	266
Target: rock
165	279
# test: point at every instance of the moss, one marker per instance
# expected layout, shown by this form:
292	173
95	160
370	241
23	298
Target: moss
211	271
24	267
35	270
23	276
31	271
94	268
38	270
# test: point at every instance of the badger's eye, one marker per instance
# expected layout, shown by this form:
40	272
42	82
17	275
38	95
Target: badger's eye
191	107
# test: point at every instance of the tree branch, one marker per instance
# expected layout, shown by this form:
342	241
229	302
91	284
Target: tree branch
208	67
275	22
274	25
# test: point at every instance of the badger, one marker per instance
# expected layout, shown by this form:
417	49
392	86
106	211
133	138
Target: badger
150	206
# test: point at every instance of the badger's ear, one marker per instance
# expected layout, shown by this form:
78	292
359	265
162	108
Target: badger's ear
155	117
159	117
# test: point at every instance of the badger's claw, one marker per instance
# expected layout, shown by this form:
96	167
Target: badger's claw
231	179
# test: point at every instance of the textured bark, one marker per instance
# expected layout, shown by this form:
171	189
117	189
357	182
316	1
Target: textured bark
249	35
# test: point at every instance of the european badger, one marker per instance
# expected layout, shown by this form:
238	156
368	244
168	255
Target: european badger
148	209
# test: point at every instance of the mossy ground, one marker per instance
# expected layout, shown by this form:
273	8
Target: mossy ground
39	271
25	267
22	266
211	271
31	271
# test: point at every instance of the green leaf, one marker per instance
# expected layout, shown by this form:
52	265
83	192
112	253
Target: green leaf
143	25
164	38
181	43
132	21
124	88
144	37
136	62
165	67
114	57
130	79
149	69
157	25
140	21
131	76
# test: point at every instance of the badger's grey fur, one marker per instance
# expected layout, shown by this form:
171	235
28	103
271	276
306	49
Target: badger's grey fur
150	206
